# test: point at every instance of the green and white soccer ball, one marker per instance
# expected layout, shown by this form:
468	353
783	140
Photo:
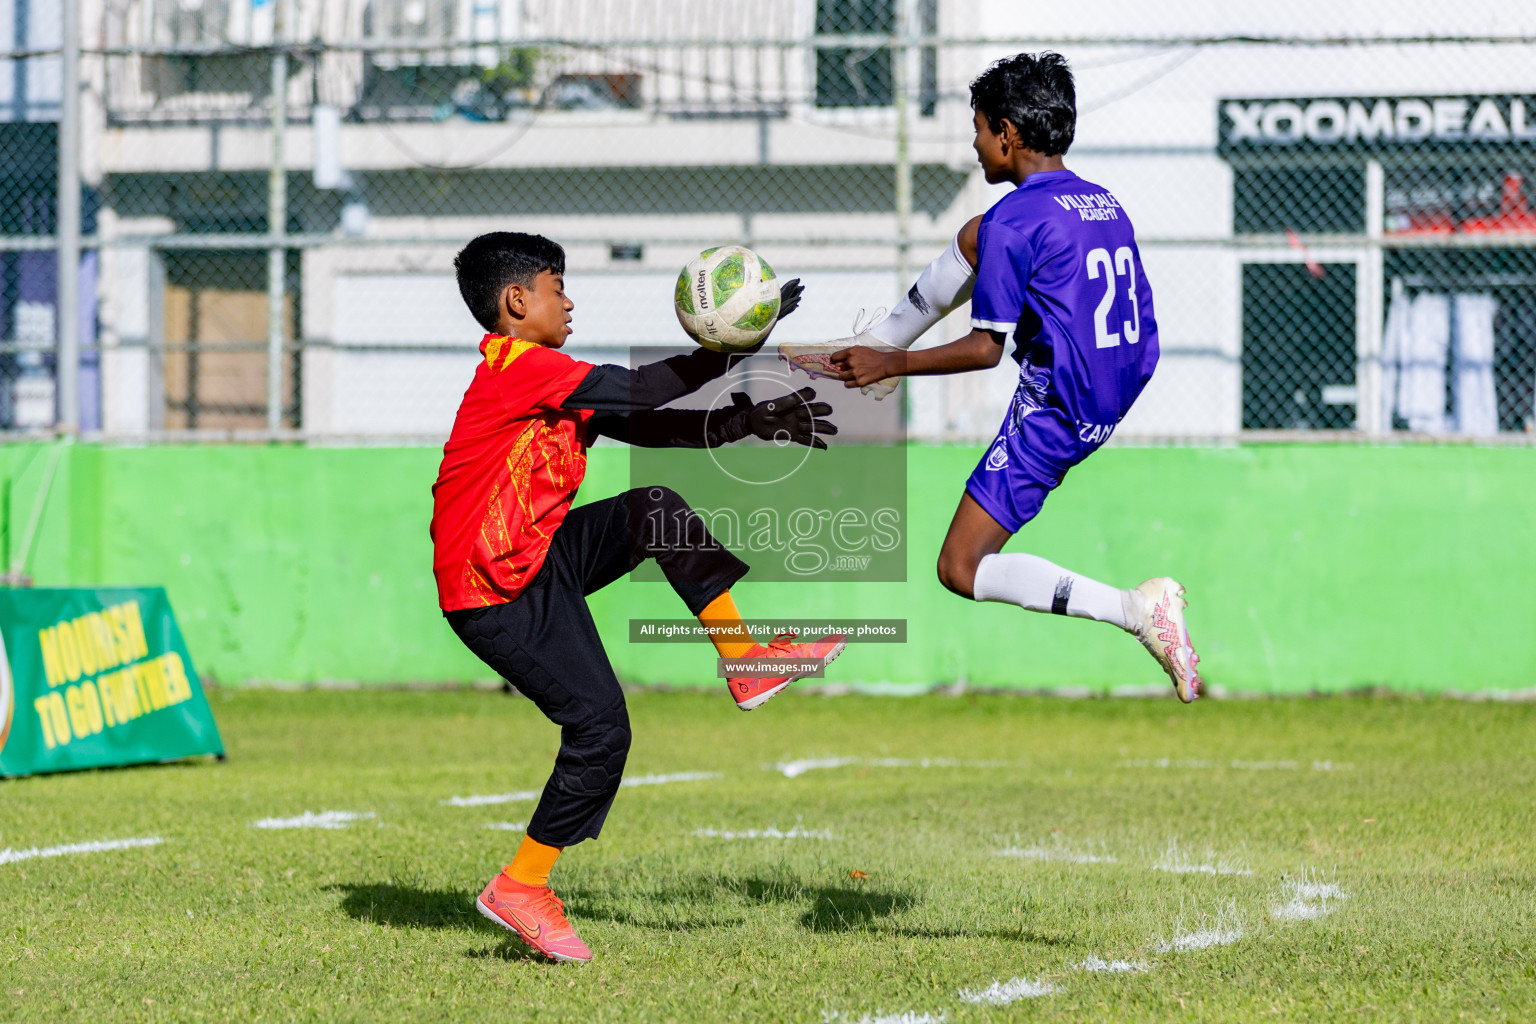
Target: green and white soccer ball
727	298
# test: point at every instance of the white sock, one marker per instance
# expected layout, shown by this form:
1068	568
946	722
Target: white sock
1031	582
944	284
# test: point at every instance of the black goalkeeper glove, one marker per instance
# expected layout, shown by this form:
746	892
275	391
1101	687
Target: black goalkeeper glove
789	419
789	296
789	300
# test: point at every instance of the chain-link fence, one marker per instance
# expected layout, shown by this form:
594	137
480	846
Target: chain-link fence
1334	206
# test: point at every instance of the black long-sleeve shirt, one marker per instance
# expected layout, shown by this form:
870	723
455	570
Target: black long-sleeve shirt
625	403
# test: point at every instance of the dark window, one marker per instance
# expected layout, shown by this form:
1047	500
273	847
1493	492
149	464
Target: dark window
180	74
1269	200
1298	347
29	177
849	76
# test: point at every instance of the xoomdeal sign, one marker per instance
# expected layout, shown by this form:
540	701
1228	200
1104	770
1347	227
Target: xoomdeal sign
1373	123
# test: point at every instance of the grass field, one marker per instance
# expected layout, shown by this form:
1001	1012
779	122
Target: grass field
1302	860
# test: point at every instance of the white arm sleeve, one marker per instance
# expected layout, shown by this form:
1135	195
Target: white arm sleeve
944	284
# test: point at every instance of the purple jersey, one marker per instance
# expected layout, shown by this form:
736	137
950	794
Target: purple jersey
1060	272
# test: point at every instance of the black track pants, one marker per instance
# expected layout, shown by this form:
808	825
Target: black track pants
546	643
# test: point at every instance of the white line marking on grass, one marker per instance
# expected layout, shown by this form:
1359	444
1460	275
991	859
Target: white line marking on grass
763	833
1071	853
485	799
1298	910
1203	939
1319	891
10	856
1227	929
1099	966
309	819
1176	861
1308	899
793	769
661	780
1001	993
1219	868
1250	766
1042	853
507	826
908	1017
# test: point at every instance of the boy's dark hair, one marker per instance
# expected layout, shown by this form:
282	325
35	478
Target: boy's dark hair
1034	91
489	263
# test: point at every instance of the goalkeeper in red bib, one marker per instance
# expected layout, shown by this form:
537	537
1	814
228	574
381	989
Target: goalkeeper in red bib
514	562
1055	265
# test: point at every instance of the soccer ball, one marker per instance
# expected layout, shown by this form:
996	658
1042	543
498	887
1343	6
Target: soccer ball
727	298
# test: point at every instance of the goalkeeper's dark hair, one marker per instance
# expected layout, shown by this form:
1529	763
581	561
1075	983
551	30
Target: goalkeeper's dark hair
1034	92
489	263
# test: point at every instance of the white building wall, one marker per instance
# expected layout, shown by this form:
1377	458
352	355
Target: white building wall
1147	130
125	364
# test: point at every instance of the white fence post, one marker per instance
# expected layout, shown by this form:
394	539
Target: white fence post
67	225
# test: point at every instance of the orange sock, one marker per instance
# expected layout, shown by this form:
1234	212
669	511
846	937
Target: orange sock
531	864
723	621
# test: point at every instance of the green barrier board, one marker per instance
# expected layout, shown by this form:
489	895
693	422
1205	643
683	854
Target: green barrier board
96	677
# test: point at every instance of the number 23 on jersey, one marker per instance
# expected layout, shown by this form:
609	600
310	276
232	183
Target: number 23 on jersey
1111	269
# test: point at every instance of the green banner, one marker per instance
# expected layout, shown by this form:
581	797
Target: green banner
96	677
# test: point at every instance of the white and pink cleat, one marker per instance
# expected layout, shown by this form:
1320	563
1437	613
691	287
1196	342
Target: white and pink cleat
1155	611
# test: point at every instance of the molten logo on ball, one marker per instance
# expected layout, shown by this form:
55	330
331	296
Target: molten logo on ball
727	298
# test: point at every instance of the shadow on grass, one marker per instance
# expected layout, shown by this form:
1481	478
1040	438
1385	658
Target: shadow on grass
1012	934
723	901
409	906
700	903
851	908
511	950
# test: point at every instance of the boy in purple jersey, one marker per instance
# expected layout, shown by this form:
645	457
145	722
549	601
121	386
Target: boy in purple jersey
1055	265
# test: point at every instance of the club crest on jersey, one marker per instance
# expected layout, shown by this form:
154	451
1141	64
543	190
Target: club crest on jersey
997	458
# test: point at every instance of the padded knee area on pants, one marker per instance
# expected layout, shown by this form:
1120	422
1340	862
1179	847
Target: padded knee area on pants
484	635
593	753
666	523
498	649
648	504
661	497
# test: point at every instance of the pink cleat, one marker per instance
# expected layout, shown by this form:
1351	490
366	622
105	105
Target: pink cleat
534	915
1159	624
751	691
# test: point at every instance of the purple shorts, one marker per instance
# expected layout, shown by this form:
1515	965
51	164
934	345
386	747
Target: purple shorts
1027	460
